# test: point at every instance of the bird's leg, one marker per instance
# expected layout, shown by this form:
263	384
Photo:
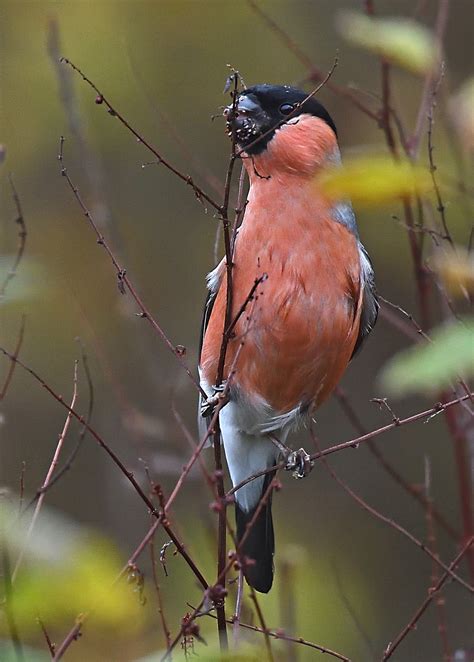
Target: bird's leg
208	406
298	462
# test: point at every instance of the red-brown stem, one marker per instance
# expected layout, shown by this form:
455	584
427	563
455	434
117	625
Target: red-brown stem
49	473
49	643
426	603
387	520
278	634
12	366
414	492
159	598
432	542
22	234
315	74
465	494
123	279
187	179
263	625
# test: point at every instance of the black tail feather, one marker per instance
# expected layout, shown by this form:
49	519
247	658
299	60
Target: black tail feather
259	544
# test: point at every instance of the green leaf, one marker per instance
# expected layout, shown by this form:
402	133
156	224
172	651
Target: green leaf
373	180
401	41
435	365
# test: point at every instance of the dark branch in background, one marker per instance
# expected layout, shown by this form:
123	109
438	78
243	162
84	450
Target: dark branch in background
70	461
159	598
439	31
76	629
116	460
263	625
49	473
315	74
440	204
49	643
102	100
386	520
433	543
123	280
22	234
417	494
12	366
426	603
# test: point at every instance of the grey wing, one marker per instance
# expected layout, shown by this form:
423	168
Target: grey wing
370	304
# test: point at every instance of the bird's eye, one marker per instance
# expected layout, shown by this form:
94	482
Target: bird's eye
286	108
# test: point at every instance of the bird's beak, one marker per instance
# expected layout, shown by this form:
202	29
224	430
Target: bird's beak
244	119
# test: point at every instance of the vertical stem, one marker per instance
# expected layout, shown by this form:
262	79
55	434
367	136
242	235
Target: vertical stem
464	482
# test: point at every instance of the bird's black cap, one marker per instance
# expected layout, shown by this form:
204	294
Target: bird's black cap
262	109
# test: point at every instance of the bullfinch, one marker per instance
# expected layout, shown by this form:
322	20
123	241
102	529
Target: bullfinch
312	313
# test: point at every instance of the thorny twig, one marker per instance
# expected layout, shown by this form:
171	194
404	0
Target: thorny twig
387	520
12	366
22	234
102	100
278	634
123	279
426	603
49	473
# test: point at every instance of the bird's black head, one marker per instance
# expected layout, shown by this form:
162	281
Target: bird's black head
260	110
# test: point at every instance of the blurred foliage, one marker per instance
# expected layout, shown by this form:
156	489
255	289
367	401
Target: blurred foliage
456	269
433	366
401	41
68	572
374	180
462	112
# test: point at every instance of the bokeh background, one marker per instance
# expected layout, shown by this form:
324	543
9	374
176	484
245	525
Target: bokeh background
353	581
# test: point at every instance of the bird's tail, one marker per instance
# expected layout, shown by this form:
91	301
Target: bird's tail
259	543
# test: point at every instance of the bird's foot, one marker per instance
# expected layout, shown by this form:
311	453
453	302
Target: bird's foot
208	406
299	463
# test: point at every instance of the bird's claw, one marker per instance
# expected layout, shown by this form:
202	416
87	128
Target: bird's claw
299	463
208	406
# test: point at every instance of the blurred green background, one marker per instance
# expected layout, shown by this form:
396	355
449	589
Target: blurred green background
163	65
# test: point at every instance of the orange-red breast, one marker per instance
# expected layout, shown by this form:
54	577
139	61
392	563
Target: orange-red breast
313	311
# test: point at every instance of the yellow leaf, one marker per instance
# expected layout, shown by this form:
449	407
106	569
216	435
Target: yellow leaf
401	41
456	269
374	180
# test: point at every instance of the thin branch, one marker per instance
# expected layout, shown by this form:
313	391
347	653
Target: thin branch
263	625
440	204
12	366
156	584
102	100
70	461
387	520
427	414
432	541
315	74
390	469
123	279
278	634
49	643
439	31
49	473
22	234
426	603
